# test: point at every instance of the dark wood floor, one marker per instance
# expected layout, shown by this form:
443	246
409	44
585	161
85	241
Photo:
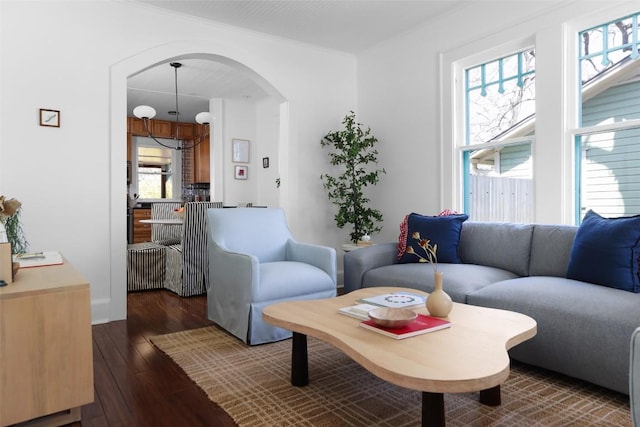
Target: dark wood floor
138	385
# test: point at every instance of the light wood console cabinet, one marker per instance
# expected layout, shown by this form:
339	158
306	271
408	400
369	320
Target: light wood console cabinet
46	360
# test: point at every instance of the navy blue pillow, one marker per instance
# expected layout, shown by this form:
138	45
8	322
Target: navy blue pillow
605	252
441	230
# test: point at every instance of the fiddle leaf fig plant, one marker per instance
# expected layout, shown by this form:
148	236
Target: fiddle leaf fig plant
352	151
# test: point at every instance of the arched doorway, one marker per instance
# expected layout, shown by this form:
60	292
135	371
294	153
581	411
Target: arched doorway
120	72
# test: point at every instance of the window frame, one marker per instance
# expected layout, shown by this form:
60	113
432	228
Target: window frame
176	175
575	130
554	151
453	104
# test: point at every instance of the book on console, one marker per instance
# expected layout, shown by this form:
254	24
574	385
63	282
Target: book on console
395	300
38	259
422	325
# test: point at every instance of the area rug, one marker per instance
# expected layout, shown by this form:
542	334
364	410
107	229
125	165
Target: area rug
252	385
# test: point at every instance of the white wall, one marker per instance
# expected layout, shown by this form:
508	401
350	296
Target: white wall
75	57
259	123
239	123
399	96
266	145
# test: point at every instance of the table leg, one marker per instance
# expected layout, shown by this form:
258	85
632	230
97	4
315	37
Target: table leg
299	361
491	396
432	409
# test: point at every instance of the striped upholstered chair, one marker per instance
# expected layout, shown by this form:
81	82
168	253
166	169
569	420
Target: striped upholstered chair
147	261
146	265
163	234
187	271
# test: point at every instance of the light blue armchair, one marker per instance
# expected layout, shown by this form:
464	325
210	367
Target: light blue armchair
255	262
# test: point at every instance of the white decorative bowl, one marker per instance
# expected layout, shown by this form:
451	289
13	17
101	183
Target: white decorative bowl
392	317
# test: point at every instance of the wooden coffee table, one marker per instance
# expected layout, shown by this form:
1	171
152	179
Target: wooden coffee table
469	356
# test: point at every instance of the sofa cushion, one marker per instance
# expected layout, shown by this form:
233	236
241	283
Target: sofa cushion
404	229
605	252
551	249
458	279
495	244
443	231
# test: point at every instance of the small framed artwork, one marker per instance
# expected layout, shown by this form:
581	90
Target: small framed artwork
240	150
241	172
49	118
265	162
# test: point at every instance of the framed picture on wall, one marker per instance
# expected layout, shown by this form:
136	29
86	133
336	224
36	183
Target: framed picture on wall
50	118
241	172
240	150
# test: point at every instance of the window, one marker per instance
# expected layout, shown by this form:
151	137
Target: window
608	135
158	170
496	156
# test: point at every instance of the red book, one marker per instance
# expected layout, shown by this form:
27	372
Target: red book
421	325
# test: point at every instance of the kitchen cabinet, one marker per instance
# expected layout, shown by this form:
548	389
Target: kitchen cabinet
129	146
141	231
161	128
185	132
201	158
135	127
158	128
45	346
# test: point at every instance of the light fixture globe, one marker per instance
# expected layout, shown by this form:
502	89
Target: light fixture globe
144	112
204	118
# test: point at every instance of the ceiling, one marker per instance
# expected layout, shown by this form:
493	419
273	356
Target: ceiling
198	81
349	25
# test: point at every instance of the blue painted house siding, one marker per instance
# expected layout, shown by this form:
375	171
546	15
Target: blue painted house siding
515	161
611	160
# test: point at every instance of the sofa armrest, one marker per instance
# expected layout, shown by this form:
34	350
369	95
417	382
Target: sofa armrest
359	261
634	378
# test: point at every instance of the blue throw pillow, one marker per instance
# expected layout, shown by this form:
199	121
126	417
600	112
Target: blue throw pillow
441	230
605	252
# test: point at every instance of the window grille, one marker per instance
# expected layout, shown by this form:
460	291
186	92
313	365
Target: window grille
606	45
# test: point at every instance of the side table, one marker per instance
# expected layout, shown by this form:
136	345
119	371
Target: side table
348	247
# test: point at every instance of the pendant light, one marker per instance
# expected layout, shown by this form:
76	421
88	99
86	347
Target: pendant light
146	113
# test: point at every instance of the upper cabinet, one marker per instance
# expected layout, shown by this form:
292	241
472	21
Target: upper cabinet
201	157
162	129
158	128
185	131
135	127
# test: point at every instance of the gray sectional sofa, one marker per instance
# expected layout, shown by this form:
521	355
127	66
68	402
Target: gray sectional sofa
584	329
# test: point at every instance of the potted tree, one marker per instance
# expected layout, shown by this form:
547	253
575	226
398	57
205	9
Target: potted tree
352	151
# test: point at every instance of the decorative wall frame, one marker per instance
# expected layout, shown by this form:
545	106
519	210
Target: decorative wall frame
265	162
240	150
50	118
241	172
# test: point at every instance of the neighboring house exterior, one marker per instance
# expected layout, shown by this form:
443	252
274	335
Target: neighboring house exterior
610	161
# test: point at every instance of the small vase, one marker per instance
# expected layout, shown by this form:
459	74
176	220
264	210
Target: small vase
439	302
